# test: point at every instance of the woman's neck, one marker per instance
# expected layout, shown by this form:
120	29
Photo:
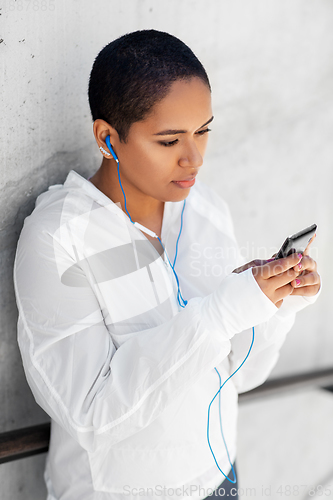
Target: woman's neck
143	209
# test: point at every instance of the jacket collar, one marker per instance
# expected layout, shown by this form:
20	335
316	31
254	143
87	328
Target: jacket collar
172	209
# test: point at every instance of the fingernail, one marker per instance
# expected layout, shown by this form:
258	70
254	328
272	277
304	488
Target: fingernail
299	266
270	260
298	282
299	255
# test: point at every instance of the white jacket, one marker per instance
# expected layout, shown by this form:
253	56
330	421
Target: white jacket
125	373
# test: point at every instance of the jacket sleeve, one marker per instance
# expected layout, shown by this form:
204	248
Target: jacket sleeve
96	392
268	340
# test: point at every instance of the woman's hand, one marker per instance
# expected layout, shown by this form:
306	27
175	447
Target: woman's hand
292	275
277	277
308	281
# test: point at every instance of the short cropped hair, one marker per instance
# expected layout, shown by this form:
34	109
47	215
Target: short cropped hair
134	72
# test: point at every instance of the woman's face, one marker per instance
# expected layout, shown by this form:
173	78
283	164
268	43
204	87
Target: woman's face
168	146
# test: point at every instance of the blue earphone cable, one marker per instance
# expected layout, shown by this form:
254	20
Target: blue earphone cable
183	302
123	193
181	228
208	418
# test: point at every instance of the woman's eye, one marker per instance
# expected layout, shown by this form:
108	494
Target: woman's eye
169	143
175	141
202	132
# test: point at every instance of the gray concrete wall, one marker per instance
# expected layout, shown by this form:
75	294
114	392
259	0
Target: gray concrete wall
270	156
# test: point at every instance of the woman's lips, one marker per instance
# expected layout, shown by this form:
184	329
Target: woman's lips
184	184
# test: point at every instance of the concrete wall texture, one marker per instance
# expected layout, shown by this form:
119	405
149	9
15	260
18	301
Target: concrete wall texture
270	156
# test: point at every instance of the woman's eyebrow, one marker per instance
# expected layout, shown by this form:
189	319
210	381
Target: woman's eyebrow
174	132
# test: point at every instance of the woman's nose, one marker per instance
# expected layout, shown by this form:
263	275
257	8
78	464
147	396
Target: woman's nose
191	157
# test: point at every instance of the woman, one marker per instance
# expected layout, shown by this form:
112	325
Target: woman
127	298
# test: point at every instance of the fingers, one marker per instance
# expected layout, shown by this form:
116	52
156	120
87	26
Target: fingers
282	292
307	250
307	279
306	264
306	291
277	267
278	287
279	303
292	275
285	278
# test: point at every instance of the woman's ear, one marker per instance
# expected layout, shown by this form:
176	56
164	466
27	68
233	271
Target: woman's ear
101	131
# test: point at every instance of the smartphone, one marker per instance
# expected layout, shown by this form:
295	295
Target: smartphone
297	242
